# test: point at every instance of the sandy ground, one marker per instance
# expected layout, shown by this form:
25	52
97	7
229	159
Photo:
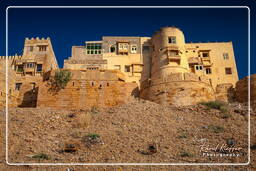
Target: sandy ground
178	135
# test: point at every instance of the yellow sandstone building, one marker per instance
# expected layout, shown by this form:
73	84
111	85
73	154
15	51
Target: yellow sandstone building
162	68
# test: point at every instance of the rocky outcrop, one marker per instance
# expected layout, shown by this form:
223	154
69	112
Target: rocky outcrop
242	90
225	92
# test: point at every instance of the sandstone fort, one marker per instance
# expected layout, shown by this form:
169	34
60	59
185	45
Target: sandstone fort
162	68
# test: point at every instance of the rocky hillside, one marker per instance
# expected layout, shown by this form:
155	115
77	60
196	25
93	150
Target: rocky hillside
137	132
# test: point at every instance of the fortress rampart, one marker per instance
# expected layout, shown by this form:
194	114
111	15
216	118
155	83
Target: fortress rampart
162	68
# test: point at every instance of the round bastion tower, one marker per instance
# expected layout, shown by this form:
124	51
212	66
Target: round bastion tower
171	82
168	53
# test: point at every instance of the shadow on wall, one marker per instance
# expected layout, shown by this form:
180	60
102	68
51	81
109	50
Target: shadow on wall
135	92
30	98
231	94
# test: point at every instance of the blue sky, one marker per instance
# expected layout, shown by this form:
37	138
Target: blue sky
68	27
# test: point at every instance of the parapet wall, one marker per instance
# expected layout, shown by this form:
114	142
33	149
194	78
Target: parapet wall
178	89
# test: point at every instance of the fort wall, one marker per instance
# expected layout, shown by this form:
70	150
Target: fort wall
88	89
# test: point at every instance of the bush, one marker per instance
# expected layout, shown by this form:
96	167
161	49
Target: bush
182	136
62	78
185	154
93	136
41	156
219	105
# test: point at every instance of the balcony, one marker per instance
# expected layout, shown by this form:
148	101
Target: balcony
195	60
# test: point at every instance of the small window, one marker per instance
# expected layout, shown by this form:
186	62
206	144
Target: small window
30	65
117	67
172	39
112	49
225	56
208	70
42	48
127	68
17	86
205	54
39	67
199	67
19	68
134	49
228	71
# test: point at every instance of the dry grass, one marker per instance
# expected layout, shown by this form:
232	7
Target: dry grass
83	120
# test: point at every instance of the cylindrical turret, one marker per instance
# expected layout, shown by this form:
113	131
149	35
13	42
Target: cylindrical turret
168	52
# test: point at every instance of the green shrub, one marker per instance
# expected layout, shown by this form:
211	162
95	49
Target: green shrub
93	136
182	136
185	154
216	129
41	156
219	105
62	78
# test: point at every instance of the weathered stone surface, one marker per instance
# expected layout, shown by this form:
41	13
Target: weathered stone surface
225	92
104	89
242	90
180	93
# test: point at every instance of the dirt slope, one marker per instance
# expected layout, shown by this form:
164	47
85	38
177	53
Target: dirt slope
125	135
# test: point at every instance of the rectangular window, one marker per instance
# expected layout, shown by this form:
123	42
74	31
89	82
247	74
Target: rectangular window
17	86
39	67
134	49
127	68
42	47
225	56
19	68
30	65
228	71
172	39
208	70
117	67
93	48
199	67
205	54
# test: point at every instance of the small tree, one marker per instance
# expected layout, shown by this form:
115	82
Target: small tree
60	80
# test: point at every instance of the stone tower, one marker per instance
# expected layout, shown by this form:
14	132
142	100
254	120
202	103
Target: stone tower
168	53
171	81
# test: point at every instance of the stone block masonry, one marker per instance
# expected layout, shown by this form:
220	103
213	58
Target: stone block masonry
100	91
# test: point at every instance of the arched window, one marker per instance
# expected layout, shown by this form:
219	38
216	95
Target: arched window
112	48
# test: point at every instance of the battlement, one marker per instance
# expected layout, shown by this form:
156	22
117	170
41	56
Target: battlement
10	57
37	40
